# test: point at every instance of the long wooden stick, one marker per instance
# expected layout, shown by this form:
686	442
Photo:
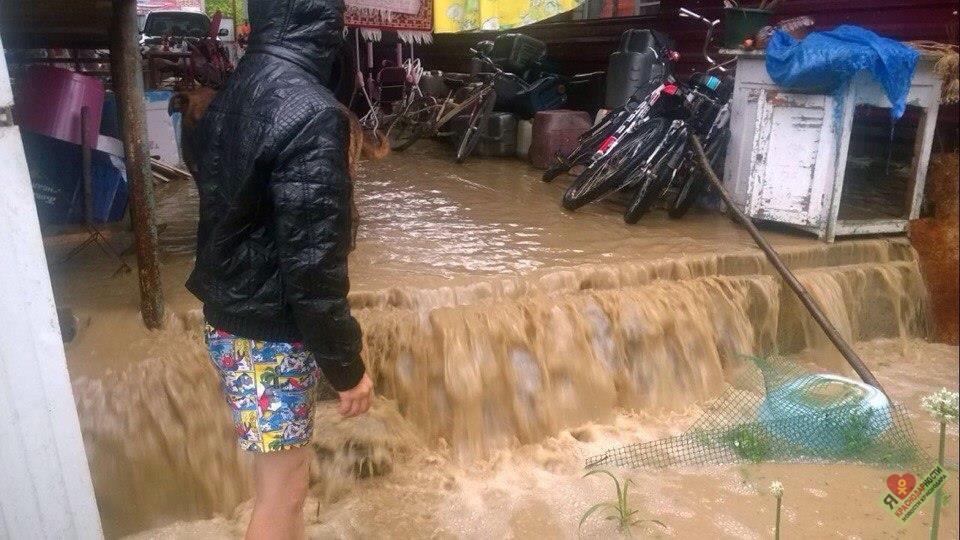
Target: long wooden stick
845	349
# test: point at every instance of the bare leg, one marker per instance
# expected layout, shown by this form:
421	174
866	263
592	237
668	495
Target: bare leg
280	480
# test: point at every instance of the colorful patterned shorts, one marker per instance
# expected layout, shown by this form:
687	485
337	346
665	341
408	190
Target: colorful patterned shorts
269	387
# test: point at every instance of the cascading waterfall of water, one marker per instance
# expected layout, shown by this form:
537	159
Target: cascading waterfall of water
489	365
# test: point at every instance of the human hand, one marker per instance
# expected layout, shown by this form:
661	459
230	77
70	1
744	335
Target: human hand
357	400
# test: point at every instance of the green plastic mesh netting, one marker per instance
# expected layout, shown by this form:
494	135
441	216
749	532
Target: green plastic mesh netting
776	410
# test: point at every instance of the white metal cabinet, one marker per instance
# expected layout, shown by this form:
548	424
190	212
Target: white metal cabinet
768	169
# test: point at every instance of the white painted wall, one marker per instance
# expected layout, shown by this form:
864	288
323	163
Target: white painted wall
45	487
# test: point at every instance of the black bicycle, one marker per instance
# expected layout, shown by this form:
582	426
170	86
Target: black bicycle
618	155
673	170
590	141
670	167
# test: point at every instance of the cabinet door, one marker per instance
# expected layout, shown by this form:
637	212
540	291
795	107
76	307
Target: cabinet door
792	160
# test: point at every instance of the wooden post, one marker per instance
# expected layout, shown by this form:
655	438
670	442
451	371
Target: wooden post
128	84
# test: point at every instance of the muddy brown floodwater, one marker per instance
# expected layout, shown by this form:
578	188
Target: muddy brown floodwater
509	341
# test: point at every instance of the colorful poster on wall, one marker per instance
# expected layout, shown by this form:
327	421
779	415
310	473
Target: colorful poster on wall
146	6
467	15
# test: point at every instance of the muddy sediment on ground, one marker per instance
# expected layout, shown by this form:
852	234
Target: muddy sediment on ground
509	341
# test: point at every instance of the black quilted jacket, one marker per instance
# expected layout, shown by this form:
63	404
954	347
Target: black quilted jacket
275	194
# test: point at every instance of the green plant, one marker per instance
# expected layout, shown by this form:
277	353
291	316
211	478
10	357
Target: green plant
776	489
620	511
748	442
943	407
702	437
855	433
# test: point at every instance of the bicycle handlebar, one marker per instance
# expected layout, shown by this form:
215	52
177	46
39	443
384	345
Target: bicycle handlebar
487	60
711	24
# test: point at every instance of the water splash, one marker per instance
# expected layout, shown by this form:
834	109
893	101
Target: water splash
489	365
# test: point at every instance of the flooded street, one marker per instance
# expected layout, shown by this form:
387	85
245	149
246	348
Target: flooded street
509	341
536	490
427	222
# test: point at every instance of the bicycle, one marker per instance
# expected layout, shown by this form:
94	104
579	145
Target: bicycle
629	142
647	148
693	183
708	100
592	139
669	165
426	116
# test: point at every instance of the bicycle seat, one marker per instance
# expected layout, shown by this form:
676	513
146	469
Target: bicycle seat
456	81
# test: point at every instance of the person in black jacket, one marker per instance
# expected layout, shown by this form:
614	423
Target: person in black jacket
272	244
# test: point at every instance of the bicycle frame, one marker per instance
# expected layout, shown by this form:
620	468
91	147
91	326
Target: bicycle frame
443	116
664	149
629	125
456	107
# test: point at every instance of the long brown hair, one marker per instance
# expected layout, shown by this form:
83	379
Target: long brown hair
370	146
374	146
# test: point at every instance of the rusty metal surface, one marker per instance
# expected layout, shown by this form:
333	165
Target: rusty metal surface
128	83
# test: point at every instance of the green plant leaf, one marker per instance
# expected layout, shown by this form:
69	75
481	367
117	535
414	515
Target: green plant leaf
593	509
624	508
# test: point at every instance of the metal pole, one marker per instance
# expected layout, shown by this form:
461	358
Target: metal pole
128	84
85	167
845	349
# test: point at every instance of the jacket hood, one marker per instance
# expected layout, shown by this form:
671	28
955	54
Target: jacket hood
306	32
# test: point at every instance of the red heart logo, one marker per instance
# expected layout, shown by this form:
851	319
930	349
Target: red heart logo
901	484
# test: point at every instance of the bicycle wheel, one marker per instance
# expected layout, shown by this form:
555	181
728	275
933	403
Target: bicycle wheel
411	124
587	145
655	178
476	126
697	181
613	171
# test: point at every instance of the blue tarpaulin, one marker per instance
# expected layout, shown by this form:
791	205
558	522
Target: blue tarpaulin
826	61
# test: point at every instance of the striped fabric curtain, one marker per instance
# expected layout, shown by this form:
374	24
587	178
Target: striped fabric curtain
466	15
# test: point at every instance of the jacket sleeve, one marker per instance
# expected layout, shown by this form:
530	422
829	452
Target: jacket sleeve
311	193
